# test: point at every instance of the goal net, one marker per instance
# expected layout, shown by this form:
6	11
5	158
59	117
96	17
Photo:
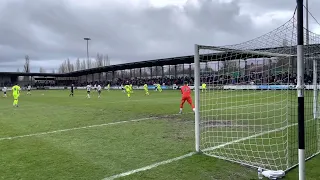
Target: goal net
246	100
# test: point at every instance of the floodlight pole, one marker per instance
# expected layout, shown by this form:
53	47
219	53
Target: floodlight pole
300	89
87	39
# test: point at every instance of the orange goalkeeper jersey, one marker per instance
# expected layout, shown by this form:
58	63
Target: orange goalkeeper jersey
185	91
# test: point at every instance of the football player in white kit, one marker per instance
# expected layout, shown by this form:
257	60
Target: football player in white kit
99	90
122	88
88	90
29	90
4	90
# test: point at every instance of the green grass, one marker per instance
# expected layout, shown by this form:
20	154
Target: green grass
102	151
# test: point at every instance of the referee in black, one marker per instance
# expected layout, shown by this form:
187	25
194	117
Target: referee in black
71	90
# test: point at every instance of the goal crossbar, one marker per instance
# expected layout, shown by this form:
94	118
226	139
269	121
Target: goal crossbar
261	53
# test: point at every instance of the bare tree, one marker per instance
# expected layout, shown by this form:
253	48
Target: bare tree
106	60
93	64
18	70
89	64
27	64
42	70
156	71
146	72
102	60
99	60
63	67
69	66
53	71
136	72
83	65
180	69
78	65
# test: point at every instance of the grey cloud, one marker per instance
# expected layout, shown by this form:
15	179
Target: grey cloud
267	6
263	6
47	29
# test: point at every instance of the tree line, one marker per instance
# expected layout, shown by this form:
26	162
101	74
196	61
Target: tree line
26	66
100	61
67	66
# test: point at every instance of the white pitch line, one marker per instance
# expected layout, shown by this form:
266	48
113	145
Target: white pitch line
111	102
149	167
96	125
77	128
253	136
136	120
191	154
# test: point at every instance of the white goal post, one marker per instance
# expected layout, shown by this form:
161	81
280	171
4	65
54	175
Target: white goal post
248	112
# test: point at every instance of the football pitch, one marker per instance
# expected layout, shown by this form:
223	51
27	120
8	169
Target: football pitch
54	136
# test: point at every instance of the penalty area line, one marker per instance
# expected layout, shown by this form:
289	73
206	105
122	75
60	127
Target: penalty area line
76	128
149	167
99	125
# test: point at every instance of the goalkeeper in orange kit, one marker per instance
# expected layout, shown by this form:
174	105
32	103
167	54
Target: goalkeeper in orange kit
186	96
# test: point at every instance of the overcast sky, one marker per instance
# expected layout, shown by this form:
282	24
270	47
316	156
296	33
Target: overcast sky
50	31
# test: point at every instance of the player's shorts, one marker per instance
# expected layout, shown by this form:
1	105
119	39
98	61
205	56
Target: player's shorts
99	91
186	98
15	96
88	92
4	92
28	89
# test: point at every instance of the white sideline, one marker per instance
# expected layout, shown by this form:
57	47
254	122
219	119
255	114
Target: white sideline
149	167
77	128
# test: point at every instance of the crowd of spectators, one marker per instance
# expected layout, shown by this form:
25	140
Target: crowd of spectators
253	78
140	82
119	81
256	78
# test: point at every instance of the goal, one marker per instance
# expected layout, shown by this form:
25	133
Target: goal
248	111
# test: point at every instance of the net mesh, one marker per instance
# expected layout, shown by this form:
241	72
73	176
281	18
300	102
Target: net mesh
248	101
